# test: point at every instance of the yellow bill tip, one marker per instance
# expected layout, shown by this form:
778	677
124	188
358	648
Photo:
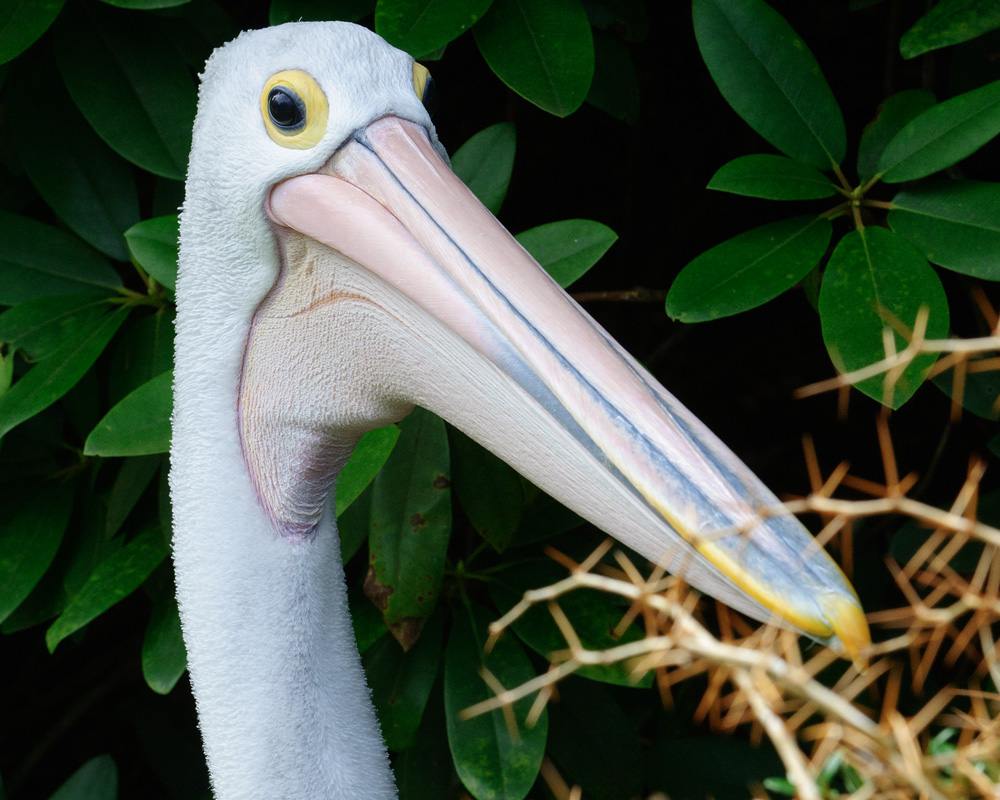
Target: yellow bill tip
847	620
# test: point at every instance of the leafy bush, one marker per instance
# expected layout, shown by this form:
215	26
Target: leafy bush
97	102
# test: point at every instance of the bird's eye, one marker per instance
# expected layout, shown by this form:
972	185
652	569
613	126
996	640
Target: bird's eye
425	88
294	109
285	109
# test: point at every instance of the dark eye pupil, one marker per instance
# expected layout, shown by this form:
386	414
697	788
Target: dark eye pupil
285	109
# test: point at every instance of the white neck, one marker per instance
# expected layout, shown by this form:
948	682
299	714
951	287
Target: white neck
284	709
282	701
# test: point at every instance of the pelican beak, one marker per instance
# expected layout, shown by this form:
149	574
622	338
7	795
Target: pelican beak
646	470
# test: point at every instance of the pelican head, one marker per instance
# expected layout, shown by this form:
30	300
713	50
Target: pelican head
335	273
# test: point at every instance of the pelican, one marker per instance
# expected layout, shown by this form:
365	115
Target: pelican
334	273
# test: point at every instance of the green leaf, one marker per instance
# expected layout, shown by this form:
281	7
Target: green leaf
114	579
543	517
892	116
144	350
139	425
146	5
569	248
780	786
366	620
615	88
543	51
594	616
40	327
82	404
772	177
133	477
955	224
748	270
422	26
319	10
89	187
425	771
872	278
592	741
488	490
950	22
50	379
6	372
363	465
164	657
491	763
942	135
485	162
352	526
32	522
24	21
410	526
401	682
95	780
771	79
980	391
38	260
153	244
131	85
76	559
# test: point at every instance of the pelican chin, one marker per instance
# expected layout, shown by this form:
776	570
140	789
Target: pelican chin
334	274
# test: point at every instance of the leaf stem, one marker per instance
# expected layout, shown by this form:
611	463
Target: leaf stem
879	204
837	211
856	213
130	298
842	178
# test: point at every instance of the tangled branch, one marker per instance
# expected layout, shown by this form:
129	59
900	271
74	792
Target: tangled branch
949	747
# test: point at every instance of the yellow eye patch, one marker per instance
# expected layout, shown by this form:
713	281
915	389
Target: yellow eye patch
423	85
420	77
295	109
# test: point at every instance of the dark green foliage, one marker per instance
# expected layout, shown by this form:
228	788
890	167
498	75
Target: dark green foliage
568	249
748	269
942	135
595	617
484	163
771	79
874	276
95	780
950	22
543	51
422	26
892	116
31	529
22	22
96	106
492	762
131	85
773	178
955	224
401	682
874	282
41	261
152	244
410	526
364	464
85	182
